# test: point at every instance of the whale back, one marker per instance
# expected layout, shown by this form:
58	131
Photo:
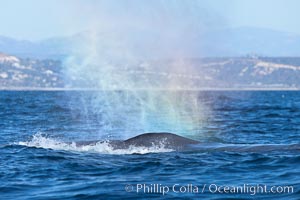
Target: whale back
168	140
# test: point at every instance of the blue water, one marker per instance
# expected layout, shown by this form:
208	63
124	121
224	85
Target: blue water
248	138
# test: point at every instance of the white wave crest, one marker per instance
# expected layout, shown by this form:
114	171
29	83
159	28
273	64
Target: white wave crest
103	147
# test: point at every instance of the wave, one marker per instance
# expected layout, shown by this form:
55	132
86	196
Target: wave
103	147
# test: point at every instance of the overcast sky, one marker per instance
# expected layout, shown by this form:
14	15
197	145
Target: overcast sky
36	19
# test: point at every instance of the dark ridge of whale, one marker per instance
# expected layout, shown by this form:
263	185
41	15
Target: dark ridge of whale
166	140
179	143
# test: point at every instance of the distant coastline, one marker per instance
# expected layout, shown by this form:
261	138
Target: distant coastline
150	89
240	73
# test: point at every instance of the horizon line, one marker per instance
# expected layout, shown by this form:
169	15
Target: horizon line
153	89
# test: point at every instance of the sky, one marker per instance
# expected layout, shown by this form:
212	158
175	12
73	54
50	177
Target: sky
36	19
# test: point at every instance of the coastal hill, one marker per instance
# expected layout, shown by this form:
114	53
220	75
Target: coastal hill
227	72
226	42
237	58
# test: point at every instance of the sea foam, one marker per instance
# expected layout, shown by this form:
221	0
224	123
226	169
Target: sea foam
40	141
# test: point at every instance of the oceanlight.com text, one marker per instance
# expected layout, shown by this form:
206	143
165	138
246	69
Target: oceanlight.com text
250	189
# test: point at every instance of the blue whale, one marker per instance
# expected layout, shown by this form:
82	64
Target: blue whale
179	143
166	140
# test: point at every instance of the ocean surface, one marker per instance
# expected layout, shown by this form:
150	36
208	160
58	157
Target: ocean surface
250	149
